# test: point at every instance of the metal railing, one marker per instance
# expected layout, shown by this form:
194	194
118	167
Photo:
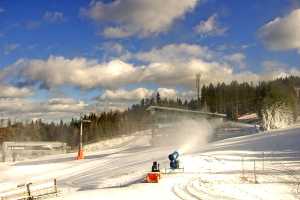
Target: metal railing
30	191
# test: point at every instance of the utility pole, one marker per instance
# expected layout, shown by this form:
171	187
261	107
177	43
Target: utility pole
80	155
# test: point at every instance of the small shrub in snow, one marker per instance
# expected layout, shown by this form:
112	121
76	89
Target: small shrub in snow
277	115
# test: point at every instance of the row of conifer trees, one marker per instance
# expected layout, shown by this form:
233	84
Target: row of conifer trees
234	99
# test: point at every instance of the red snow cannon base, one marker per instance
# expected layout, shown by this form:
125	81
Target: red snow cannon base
153	177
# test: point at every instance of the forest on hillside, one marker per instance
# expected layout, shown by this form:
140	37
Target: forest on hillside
234	99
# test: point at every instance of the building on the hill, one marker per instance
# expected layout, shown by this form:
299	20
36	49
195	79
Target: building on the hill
13	151
4	123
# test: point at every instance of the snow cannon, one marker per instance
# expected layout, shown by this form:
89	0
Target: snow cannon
174	161
154	175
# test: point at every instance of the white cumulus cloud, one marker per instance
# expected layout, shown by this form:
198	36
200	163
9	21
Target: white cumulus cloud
50	110
137	94
168	66
237	59
282	33
80	72
175	52
177	64
273	69
116	32
137	17
210	27
126	95
9	91
168	93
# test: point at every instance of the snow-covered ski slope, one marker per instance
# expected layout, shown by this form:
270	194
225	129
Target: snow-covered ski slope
220	170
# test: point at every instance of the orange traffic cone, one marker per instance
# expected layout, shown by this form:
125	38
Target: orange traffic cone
80	155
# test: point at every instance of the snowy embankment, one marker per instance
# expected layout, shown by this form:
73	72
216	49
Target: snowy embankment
64	167
119	142
220	170
225	170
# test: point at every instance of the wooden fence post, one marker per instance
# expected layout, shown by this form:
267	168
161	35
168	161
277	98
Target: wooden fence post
55	185
254	172
263	164
243	171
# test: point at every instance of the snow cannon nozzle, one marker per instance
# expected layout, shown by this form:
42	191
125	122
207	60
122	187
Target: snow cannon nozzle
173	156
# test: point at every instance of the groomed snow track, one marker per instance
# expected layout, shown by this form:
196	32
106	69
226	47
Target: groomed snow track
211	172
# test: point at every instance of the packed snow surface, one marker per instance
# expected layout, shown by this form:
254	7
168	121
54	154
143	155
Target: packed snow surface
220	170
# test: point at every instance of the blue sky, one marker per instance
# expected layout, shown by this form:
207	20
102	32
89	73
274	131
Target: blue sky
59	58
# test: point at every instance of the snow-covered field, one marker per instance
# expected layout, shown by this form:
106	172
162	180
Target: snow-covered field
220	170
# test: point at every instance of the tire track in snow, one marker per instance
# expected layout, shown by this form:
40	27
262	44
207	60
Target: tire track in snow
182	192
290	173
198	191
127	167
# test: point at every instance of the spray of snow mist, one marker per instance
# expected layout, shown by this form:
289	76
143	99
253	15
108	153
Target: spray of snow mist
194	134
